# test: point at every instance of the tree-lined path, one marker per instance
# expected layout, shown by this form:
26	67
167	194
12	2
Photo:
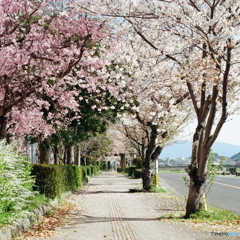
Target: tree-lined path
106	210
70	69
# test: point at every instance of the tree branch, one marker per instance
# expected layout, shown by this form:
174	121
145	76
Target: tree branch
193	98
212	114
224	97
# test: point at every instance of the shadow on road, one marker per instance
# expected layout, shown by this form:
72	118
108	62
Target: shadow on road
104	191
83	219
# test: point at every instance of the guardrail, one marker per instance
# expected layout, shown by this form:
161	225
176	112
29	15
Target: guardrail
186	166
178	167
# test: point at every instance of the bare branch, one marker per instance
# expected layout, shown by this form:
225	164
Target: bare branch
224	97
212	114
193	98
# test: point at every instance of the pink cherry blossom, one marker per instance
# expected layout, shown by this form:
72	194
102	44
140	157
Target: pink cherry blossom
39	53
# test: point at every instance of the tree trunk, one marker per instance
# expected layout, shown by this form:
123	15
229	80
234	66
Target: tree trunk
196	192
123	161
44	152
70	156
197	171
43	155
149	166
77	156
3	126
85	160
147	174
56	154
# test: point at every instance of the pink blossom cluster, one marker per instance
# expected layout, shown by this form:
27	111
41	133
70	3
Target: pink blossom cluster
38	54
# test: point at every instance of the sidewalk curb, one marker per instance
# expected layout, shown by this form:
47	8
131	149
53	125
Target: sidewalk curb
14	230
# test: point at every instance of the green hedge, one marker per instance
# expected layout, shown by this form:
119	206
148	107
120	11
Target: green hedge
74	177
105	165
90	170
54	180
135	172
119	169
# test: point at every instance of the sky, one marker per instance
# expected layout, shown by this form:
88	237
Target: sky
230	132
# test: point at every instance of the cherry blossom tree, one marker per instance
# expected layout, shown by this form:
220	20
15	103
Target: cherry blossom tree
157	107
209	66
120	143
156	119
38	52
202	38
96	111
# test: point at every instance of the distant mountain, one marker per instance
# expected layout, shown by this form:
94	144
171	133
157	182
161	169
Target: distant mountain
236	157
184	148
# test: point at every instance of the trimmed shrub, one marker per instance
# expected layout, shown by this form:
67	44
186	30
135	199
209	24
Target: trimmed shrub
119	169
84	172
127	170
90	170
105	165
74	177
135	172
50	179
137	162
87	171
97	163
54	180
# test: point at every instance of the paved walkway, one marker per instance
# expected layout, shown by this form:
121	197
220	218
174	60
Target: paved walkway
106	210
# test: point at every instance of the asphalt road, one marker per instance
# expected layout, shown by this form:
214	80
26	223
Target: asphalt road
224	193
